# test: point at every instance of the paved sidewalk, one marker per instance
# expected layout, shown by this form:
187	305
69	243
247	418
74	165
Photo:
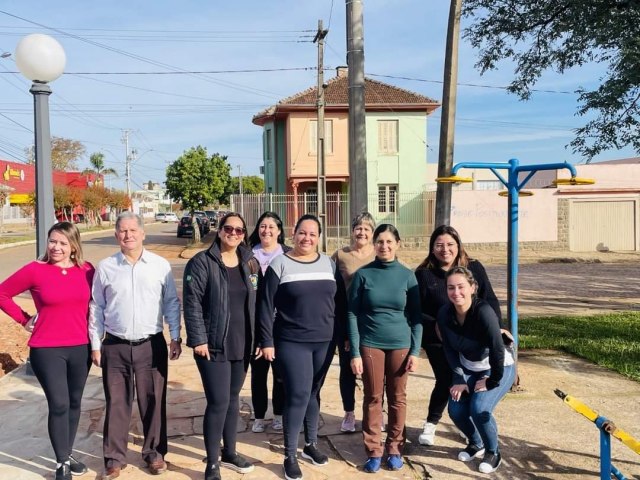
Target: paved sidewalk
541	438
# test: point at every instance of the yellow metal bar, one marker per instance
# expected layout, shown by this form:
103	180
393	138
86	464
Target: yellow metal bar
627	439
581	408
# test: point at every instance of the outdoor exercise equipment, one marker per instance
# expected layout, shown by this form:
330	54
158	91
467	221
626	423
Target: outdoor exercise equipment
607	430
514	191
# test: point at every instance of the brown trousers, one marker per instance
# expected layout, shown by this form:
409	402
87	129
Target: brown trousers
380	366
143	368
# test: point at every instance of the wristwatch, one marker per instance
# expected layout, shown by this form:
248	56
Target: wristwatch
179	340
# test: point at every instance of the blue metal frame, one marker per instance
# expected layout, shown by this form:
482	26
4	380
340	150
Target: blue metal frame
513	169
606	467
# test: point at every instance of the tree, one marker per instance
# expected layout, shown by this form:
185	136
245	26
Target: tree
196	179
62	200
538	35
250	185
94	200
64	153
97	162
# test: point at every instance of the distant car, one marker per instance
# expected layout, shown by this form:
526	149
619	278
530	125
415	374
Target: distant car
212	215
74	218
161	217
204	219
185	227
171	217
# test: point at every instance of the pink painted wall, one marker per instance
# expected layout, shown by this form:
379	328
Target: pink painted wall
481	216
302	162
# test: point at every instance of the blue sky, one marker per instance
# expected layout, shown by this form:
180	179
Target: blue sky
168	113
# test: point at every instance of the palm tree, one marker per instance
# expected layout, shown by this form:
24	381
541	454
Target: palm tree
97	161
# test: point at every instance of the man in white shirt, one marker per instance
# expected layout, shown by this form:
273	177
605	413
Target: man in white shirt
133	291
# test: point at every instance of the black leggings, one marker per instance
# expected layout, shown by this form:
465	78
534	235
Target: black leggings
62	373
442	372
347	380
303	367
222	382
259	392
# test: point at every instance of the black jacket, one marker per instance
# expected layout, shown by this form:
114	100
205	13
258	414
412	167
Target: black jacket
206	300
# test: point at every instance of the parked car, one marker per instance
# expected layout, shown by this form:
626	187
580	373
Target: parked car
185	227
74	218
204	219
161	217
170	217
212	215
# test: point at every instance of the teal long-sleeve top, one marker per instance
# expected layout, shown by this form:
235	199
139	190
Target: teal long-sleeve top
384	308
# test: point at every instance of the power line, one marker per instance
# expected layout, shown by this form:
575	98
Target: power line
191	72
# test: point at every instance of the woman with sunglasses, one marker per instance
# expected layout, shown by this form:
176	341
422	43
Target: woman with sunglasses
267	242
296	317
219	311
445	252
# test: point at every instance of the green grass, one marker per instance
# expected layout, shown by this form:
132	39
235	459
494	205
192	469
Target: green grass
611	340
15	239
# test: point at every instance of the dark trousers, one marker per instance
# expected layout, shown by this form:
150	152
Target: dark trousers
259	391
222	382
443	374
62	373
303	367
143	367
384	369
347	380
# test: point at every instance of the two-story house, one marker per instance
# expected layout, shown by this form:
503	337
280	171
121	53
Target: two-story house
396	142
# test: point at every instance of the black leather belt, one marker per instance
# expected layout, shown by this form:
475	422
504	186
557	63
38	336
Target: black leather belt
133	343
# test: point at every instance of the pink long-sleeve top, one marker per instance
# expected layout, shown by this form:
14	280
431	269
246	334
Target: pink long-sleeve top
61	297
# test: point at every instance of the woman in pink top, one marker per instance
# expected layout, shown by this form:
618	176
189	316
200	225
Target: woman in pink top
60	286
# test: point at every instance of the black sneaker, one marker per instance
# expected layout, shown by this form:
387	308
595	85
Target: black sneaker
63	472
292	469
212	472
311	452
490	462
471	452
236	463
76	467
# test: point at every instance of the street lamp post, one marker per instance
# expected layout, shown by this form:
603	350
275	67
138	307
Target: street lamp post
41	59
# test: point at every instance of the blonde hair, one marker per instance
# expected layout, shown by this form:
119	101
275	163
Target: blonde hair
71	232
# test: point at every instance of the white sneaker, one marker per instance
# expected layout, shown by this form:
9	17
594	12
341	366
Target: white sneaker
348	422
276	424
428	435
258	425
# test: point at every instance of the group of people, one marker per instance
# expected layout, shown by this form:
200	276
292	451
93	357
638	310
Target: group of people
252	300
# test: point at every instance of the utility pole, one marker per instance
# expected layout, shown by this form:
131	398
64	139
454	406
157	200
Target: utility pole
358	198
447	122
241	191
127	162
322	180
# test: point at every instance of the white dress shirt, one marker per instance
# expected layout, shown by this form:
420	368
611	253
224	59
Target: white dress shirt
131	300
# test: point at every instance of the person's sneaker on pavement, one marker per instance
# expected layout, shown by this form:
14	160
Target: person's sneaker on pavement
311	452
490	462
292	469
394	462
372	465
471	452
258	425
428	435
63	472
348	422
236	462
212	472
77	467
276	424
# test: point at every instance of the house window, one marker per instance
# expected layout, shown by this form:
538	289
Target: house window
328	137
387	137
387	198
268	143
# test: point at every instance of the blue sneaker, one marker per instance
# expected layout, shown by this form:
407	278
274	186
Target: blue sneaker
372	465
394	462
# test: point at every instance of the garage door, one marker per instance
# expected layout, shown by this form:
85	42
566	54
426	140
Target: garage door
601	225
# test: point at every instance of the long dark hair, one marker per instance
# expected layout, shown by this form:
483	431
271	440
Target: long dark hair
224	219
254	239
431	262
308	216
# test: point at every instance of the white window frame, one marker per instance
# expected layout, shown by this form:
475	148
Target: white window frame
388	198
388	137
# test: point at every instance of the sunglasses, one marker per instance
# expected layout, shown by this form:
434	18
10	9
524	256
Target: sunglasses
228	229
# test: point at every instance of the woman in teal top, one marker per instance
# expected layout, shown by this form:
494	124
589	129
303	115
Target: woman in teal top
385	331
